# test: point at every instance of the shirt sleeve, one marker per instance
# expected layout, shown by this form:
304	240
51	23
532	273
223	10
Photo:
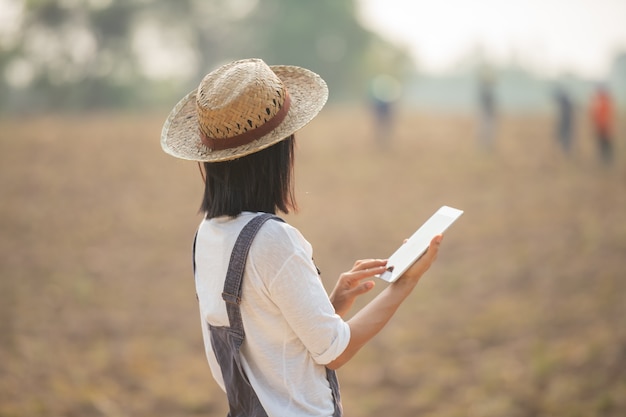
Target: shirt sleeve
298	292
306	307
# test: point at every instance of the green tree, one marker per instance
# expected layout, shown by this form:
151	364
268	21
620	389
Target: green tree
85	54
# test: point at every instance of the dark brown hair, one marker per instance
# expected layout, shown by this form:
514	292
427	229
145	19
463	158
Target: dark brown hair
259	182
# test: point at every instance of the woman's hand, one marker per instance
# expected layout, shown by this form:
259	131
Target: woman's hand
350	284
415	272
376	314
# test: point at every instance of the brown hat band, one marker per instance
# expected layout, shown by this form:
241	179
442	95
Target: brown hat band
249	135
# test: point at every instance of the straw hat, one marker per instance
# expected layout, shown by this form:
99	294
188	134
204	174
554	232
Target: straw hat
241	108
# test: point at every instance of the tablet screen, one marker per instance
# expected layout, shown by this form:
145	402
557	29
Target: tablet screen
417	244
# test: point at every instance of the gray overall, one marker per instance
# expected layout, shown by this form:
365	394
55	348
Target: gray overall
226	341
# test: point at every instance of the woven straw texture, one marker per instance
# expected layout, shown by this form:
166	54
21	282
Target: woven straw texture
239	97
180	135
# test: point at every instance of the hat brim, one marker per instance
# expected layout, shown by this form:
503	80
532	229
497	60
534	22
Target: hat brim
180	138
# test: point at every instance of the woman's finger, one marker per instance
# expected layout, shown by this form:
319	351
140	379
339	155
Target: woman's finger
353	277
368	264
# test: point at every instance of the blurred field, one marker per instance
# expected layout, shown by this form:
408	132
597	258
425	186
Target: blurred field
522	315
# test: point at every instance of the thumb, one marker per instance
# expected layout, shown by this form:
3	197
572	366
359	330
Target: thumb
363	287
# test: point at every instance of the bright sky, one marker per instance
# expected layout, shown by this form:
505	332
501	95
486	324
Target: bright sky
552	36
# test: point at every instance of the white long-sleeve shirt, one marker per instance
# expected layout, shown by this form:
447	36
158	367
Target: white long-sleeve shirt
291	327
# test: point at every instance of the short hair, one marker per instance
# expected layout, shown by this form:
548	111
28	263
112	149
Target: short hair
258	182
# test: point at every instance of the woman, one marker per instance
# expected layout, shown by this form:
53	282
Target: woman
272	335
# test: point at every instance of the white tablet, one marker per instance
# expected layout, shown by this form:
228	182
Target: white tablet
410	252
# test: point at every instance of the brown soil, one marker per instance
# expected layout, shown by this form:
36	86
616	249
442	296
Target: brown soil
522	315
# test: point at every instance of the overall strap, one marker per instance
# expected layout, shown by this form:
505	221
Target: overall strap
193	253
234	276
193	259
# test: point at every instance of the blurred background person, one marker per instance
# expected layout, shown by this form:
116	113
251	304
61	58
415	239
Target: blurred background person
486	110
602	114
565	118
385	91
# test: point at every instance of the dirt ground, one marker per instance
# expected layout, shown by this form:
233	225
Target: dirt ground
522	315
